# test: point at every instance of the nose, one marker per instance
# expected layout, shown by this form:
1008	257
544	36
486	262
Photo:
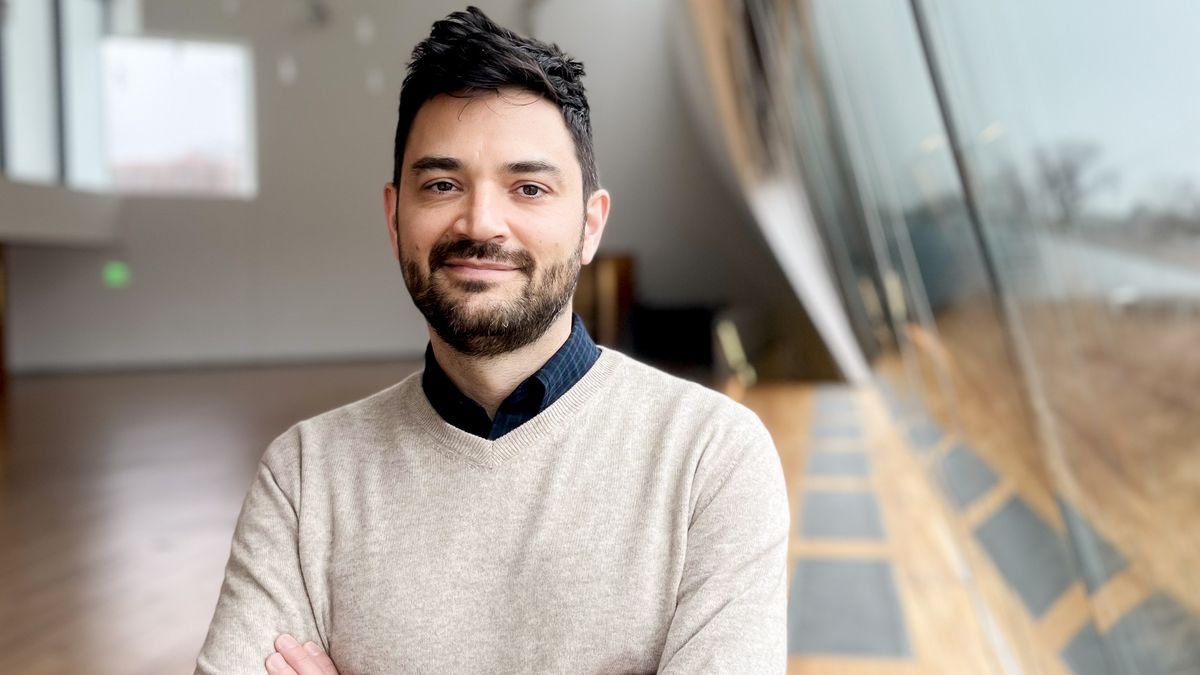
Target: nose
483	219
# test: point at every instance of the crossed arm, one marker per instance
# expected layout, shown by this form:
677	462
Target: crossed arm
292	658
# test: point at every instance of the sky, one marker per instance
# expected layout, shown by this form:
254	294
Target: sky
1023	75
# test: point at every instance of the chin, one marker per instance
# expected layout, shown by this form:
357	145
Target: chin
479	302
470	287
479	293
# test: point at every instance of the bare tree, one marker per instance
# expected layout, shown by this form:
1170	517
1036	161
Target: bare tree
1068	175
1176	212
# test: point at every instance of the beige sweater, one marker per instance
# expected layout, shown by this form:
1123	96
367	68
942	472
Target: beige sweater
637	525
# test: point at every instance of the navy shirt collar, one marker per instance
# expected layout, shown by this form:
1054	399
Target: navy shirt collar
538	392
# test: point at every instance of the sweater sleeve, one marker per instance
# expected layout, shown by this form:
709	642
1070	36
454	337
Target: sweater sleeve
263	593
731	607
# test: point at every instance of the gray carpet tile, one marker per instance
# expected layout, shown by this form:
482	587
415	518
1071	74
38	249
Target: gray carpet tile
838	464
1086	654
965	477
1158	637
846	608
1098	559
1031	556
841	515
823	430
924	435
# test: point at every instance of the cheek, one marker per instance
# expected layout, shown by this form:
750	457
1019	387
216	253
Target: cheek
415	236
554	236
549	252
409	247
418	255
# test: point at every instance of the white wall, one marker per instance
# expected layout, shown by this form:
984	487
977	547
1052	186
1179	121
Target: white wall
304	270
33	213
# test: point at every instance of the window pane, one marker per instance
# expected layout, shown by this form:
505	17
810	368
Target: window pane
178	116
30	109
1078	123
83	27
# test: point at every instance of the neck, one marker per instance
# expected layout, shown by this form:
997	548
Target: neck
488	380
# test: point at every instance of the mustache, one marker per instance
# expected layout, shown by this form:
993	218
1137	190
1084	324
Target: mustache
469	249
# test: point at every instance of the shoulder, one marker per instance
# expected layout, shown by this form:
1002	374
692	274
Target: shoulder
683	404
382	414
718	441
381	407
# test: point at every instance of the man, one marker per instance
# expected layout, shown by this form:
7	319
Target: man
530	502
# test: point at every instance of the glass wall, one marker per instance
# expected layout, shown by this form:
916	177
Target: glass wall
1009	196
936	280
1077	127
30	96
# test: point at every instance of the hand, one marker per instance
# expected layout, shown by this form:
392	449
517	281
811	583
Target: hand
292	658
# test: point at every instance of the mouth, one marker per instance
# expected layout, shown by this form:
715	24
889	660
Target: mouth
474	269
477	264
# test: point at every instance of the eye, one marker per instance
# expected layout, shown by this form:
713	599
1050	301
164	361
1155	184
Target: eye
441	186
530	190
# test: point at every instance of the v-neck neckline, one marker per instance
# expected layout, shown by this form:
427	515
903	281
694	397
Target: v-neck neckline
492	454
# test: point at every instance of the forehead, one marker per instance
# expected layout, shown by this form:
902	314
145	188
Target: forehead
491	128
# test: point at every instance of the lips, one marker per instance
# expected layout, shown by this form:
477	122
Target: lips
476	264
478	258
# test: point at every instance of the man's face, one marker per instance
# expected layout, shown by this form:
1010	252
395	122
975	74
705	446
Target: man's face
490	225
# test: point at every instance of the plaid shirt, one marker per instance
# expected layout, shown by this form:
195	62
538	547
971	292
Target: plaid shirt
535	394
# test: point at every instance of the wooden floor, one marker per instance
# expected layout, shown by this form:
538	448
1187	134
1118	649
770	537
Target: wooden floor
933	584
118	496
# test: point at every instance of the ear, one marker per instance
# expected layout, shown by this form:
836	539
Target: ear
390	206
595	216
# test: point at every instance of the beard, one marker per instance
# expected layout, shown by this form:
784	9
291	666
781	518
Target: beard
499	326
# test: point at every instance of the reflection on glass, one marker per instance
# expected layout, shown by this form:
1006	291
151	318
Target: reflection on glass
1091	218
1010	199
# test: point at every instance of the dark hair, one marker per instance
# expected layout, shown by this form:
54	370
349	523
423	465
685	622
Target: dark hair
467	53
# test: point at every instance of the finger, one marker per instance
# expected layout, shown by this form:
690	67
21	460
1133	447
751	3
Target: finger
277	665
297	656
321	658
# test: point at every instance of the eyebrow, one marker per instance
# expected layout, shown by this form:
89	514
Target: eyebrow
534	166
439	163
435	164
